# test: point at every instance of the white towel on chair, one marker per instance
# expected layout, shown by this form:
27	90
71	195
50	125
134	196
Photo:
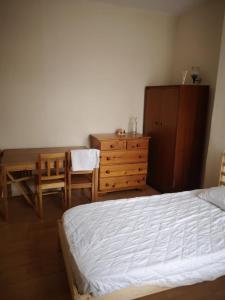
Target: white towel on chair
84	159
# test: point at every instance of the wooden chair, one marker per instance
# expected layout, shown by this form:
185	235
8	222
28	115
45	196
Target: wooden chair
51	178
222	171
81	180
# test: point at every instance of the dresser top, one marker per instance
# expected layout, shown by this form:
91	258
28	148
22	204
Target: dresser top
113	136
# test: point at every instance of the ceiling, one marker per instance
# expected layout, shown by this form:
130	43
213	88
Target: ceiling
172	7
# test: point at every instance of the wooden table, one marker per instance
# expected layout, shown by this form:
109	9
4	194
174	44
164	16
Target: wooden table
15	160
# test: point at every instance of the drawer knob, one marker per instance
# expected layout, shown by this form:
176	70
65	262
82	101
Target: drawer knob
140	156
107	158
138	181
111	146
113	185
139	169
107	172
138	145
106	184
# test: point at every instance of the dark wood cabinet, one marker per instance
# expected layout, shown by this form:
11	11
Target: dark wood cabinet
175	119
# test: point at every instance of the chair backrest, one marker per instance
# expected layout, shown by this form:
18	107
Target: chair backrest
52	166
222	171
82	160
69	167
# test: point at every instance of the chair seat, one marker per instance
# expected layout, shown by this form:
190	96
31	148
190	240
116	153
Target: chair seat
51	184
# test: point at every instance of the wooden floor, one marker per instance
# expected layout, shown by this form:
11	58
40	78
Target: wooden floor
31	264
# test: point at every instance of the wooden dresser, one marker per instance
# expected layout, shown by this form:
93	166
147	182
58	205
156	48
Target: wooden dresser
123	161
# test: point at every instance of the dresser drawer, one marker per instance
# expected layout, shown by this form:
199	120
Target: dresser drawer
123	157
125	182
122	170
137	144
113	145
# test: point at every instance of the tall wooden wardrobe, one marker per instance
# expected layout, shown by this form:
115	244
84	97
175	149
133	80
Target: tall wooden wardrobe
175	119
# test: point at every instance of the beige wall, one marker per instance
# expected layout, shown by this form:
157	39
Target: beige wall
217	134
70	68
198	41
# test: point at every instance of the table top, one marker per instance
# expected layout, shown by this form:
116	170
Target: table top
26	159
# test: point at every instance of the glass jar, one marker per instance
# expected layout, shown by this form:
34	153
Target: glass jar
132	126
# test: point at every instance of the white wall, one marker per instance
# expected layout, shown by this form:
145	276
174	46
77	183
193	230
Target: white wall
198	41
70	68
217	134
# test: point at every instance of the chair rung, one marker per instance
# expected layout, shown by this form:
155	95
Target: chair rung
48	186
80	172
81	186
22	179
51	193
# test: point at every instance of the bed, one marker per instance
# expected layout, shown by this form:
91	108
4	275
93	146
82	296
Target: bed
130	248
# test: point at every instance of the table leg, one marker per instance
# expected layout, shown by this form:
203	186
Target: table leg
5	195
22	187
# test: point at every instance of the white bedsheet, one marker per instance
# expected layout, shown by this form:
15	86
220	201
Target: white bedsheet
167	240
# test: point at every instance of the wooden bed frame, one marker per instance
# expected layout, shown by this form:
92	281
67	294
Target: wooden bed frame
132	292
222	170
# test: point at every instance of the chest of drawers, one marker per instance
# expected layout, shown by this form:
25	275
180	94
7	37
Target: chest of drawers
123	161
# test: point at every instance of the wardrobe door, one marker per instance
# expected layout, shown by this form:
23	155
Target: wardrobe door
191	137
160	123
152	119
168	133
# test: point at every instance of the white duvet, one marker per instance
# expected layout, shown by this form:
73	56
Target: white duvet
166	240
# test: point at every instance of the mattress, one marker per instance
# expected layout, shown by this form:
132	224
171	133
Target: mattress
166	240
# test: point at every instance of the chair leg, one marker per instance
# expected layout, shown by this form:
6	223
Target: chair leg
36	202
92	193
64	199
95	185
69	198
40	204
96	195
